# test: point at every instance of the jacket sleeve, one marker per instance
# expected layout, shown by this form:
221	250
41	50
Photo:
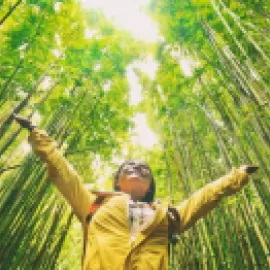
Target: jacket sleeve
65	178
208	197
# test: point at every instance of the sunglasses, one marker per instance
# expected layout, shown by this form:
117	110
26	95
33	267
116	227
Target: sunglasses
140	170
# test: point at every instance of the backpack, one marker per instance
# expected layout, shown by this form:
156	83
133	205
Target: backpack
172	214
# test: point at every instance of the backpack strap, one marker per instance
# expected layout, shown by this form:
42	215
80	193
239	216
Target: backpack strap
173	226
94	207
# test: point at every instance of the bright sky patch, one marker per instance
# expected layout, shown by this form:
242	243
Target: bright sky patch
128	15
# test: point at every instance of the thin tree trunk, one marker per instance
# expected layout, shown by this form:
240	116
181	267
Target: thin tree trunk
10	12
4	90
19	107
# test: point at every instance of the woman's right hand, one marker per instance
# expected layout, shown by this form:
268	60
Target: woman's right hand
249	169
24	122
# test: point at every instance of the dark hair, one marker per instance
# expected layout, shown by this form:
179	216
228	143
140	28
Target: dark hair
149	196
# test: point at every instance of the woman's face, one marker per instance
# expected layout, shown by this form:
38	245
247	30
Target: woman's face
135	180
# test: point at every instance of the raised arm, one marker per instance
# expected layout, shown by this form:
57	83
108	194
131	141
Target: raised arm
201	202
61	172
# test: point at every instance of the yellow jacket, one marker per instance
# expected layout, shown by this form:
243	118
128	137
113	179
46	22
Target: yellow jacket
108	243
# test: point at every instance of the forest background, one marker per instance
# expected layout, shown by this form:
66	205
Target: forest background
199	85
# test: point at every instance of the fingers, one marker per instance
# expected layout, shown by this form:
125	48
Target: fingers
23	122
14	115
249	169
19	118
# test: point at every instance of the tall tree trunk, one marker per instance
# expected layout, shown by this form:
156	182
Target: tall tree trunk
12	9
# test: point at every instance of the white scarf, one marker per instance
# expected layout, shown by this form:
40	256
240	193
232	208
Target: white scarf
140	216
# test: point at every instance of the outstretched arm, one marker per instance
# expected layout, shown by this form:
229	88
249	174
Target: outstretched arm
60	170
208	197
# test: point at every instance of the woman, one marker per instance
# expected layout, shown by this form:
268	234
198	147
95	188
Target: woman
129	231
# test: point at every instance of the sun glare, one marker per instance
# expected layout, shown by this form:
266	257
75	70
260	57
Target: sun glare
149	67
143	134
128	15
135	88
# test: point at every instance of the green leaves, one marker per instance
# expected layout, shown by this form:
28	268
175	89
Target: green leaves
77	86
207	103
208	121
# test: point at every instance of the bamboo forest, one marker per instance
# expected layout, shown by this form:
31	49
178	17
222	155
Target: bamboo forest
194	77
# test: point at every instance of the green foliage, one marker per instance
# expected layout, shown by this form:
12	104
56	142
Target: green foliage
210	113
208	120
76	84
